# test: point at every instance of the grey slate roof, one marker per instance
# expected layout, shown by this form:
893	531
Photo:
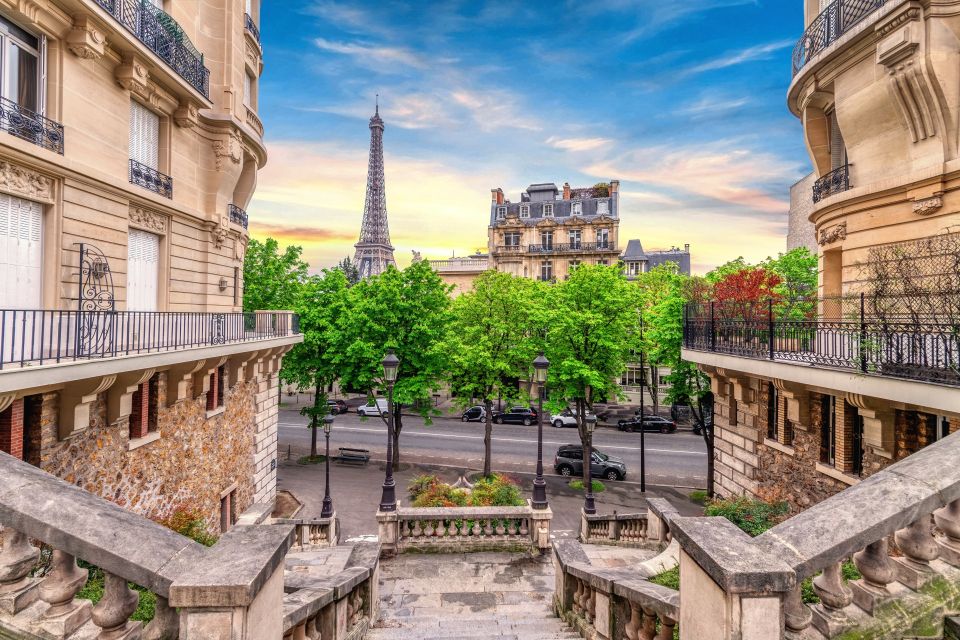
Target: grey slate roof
634	251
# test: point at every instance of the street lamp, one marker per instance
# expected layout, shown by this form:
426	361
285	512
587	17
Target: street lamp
588	505
388	500
540	366
327	511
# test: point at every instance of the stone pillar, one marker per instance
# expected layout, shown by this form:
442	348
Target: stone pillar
388	530
540	528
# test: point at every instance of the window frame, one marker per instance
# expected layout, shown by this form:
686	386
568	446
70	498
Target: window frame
576	208
548	210
546	270
524	211
9	38
501	213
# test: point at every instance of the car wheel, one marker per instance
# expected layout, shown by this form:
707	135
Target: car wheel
630	429
612	475
527	422
498	420
464	419
557	423
664	429
385	414
566	470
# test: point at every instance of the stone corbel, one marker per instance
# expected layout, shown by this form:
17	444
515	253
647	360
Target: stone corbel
798	402
30	9
179	378
878	424
76	402
6	399
186	115
743	391
133	76
201	377
926	206
120	396
86	39
239	365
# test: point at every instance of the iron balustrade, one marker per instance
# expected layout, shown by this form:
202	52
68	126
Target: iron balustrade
509	248
871	335
237	215
572	247
834	21
149	178
251	27
837	181
164	36
37	337
31	126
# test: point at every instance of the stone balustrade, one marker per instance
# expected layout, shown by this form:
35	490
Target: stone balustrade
644	529
465	528
313	532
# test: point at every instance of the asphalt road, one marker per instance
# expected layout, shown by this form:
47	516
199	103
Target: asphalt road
675	459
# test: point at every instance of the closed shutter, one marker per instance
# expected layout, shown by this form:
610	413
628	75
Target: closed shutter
144	135
143	261
21	253
824	4
838	153
247	88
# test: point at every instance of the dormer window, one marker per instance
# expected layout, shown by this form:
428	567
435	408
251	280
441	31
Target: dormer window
548	211
524	211
603	208
577	209
501	213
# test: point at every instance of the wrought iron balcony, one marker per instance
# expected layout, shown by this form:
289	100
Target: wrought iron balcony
509	248
143	176
831	183
834	21
38	337
163	35
237	215
251	27
914	338
572	247
31	126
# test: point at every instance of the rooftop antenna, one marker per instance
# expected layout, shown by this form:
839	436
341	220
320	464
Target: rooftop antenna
377	104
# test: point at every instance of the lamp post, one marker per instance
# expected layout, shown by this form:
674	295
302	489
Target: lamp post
388	500
540	366
588	505
327	511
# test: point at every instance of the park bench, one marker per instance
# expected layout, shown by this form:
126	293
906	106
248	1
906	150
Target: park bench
353	456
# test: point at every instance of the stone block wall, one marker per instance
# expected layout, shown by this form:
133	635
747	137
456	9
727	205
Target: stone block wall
264	456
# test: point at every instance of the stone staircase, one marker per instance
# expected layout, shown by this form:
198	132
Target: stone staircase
474	596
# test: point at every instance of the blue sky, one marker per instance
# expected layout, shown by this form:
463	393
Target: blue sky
683	101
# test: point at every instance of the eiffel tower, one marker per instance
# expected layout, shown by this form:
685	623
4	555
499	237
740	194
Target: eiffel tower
374	251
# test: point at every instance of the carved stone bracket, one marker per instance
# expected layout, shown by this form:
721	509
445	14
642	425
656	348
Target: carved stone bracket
76	402
231	148
86	39
120	396
910	86
149	220
833	234
25	183
218	235
179	378
132	74
6	399
187	115
878	424
926	206
798	402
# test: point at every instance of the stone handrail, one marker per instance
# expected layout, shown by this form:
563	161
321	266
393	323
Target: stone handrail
220	585
646	528
462	528
313	532
334	608
915	503
612	603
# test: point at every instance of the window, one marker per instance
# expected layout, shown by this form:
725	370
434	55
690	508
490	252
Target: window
575	236
857	446
23	67
548	211
144	135
838	151
228	511
546	240
603	208
603	261
145	408
634	268
143	273
21	253
236	285
942	427
576	209
828	430
633	377
603	238
574	264
524	211
249	91
511	239
501	213
546	270
215	394
773	410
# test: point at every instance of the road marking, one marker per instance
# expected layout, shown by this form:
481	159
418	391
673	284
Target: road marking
496	439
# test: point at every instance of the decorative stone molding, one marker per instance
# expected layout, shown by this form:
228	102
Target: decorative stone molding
833	234
27	8
6	399
179	378
133	76
76	402
927	206
231	147
26	183
218	235
911	14
86	39
912	90
148	220
253	59
120	396
186	115
878	424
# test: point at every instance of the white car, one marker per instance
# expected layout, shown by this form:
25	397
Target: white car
565	418
378	409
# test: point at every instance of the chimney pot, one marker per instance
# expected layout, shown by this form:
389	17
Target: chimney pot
566	190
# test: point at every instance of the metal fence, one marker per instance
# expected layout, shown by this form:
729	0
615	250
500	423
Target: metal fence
37	337
836	19
836	181
149	178
31	126
237	215
873	335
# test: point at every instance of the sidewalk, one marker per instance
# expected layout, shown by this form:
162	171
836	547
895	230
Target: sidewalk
356	493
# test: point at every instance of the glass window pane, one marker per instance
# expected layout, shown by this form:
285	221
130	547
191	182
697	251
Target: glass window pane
22	79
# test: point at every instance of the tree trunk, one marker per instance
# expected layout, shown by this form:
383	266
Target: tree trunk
698	417
487	436
655	388
586	441
313	422
397	426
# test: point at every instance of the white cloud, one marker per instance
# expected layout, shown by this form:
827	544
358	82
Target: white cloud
712	105
495	109
578	144
733	58
374	56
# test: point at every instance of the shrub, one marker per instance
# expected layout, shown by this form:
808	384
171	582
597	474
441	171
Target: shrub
669	578
189	522
421	483
751	515
93	591
496	491
441	495
596	485
311	459
700	497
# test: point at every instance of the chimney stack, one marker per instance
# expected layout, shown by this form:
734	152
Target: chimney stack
496	195
566	190
614	187
686	248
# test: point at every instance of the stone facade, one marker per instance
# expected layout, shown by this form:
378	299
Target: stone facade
800	231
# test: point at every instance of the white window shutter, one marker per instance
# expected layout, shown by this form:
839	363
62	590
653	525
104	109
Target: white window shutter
247	88
838	152
21	253
143	262
144	135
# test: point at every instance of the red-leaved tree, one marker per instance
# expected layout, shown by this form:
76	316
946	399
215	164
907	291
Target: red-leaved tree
746	293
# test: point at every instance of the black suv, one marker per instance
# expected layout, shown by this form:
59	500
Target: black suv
650	423
517	415
569	462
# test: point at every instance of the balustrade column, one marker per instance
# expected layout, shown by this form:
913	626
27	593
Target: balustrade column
835	596
948	520
666	628
64	615
18	557
796	614
116	606
632	628
165	624
648	628
919	547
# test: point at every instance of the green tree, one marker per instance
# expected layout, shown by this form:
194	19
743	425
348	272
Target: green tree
312	363
591	327
489	345
271	279
405	310
798	270
350	270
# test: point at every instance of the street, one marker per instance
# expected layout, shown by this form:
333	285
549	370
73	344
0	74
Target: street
675	459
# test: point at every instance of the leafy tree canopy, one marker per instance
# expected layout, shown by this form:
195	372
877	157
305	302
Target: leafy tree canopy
271	278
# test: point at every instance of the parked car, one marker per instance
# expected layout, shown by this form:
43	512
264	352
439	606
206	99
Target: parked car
475	414
337	407
566	418
650	423
517	415
379	408
569	462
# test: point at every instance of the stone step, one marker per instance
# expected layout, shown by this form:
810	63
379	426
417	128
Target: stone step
951	628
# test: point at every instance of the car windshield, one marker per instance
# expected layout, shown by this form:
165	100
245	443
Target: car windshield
604	457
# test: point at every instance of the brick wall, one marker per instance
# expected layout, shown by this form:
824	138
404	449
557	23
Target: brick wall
140	412
11	429
735	449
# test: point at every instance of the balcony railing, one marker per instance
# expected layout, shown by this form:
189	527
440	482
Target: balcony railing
31	126
826	28
164	36
37	337
574	247
148	178
237	215
916	338
837	181
251	27
254	121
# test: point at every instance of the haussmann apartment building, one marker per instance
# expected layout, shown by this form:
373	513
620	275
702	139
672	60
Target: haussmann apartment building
129	149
